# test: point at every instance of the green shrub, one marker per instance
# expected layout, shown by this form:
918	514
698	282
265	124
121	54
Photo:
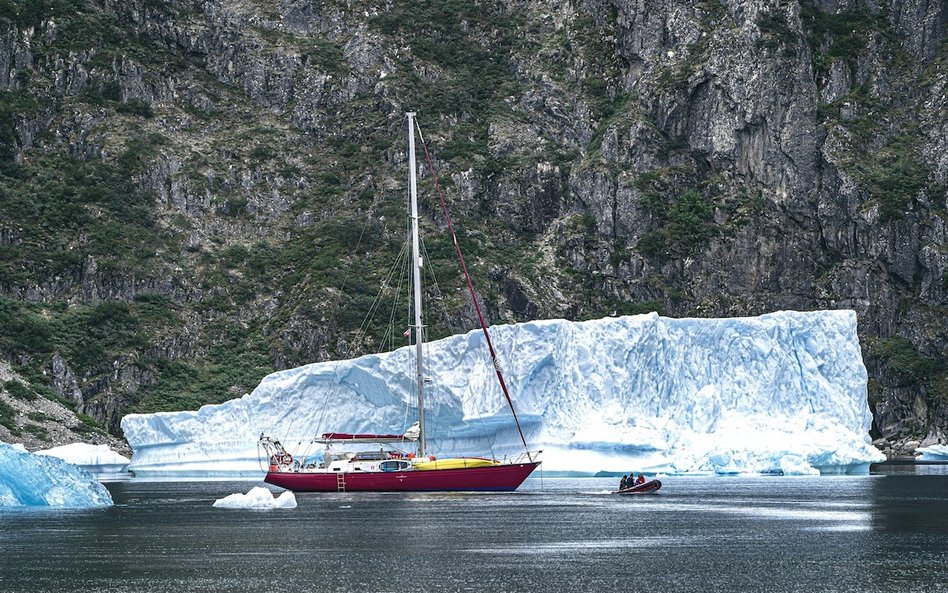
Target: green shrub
139	152
683	223
88	421
7	418
49	394
775	32
19	390
59	202
843	35
903	360
234	206
38	417
262	153
894	180
893	175
38	431
21	329
84	430
96	94
135	107
234	255
638	308
468	44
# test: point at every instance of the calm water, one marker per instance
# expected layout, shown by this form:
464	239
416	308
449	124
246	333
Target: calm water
876	533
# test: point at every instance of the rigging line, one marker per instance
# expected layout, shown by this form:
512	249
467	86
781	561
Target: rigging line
391	332
345	281
360	335
403	273
470	287
377	302
389	335
334	386
436	288
438	296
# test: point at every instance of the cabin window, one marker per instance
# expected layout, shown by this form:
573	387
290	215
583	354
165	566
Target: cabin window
394	465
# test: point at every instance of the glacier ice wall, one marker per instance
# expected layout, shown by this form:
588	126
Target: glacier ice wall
783	392
42	481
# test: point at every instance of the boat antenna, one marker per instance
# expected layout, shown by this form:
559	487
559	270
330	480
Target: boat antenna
470	287
416	282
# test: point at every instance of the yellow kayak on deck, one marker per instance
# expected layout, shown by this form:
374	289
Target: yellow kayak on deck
454	463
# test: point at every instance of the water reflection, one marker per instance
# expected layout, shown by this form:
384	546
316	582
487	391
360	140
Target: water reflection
911	503
901	468
775	534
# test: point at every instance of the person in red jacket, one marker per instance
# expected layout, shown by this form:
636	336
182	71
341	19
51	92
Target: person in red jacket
640	480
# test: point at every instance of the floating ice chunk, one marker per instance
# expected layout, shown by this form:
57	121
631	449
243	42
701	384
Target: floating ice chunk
38	480
258	498
98	460
642	392
934	453
795	465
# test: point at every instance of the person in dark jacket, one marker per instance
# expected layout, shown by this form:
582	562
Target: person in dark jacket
623	483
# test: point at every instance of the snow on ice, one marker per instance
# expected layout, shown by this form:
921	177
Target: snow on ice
28	480
98	460
257	498
779	393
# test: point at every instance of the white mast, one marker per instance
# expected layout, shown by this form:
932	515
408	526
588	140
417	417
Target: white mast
416	282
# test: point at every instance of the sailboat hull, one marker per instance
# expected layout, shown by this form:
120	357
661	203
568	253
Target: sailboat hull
497	478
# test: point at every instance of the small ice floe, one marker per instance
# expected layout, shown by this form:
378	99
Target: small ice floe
258	498
796	465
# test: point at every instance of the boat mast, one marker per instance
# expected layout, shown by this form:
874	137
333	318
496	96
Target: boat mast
416	282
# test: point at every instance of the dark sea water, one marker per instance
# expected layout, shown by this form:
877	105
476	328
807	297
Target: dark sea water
875	533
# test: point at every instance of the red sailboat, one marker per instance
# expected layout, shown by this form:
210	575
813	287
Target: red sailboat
392	462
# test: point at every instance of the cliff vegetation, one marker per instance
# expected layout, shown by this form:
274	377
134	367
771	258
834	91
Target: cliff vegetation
194	193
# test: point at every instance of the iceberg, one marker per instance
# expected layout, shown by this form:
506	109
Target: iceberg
934	453
29	480
98	460
782	392
258	498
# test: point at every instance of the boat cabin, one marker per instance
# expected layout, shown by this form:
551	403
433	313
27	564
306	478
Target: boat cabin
371	461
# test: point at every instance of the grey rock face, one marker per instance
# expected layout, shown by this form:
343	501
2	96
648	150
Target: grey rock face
64	380
714	158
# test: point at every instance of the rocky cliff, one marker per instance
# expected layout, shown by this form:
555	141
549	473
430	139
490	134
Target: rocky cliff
186	186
